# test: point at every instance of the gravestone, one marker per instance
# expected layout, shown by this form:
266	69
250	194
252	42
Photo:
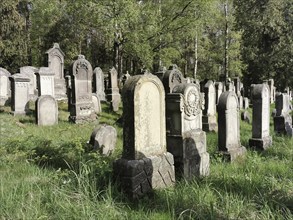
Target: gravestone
99	86
272	90
171	78
185	138
160	72
219	89
46	110
261	138
45	81
104	139
229	126
251	96
19	94
123	80
5	92
55	59
209	118
283	119
245	103
82	109
145	162
30	72
97	104
113	94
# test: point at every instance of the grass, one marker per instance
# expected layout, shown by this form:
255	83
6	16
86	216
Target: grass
52	173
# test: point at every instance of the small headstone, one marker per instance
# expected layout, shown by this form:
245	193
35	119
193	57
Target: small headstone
45	81
97	104
104	139
145	163
261	138
245	103
229	126
20	94
113	94
272	90
82	109
5	91
171	78
245	116
99	86
46	110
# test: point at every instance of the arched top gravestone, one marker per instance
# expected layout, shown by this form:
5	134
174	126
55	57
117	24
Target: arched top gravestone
171	78
4	86
56	61
47	110
144	117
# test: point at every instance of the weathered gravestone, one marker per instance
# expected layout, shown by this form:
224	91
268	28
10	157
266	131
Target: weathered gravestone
282	119
145	163
209	118
185	138
55	58
261	138
82	109
5	91
104	139
45	81
245	103
171	78
99	86
272	90
97	104
19	94
123	80
229	127
219	89
46	110
30	71
113	94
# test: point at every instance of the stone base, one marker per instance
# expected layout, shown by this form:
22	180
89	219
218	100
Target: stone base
232	154
138	177
261	144
209	123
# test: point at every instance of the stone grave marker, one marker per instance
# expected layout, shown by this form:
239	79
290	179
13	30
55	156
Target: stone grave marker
99	86
5	92
283	118
171	78
46	110
45	81
30	72
113	94
219	89
97	104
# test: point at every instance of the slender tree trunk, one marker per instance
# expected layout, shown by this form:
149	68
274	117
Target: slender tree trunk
226	43
195	56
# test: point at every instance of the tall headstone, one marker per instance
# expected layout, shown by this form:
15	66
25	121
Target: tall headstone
99	86
283	119
46	110
113	94
185	138
55	58
229	126
171	78
45	81
209	118
272	90
219	89
30	71
81	109
5	92
19	94
261	138
145	162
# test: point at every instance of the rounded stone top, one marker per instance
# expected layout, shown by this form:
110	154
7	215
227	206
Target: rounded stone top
81	63
209	84
227	100
4	72
260	90
171	76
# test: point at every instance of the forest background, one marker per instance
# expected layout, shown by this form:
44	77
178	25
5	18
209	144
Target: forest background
207	39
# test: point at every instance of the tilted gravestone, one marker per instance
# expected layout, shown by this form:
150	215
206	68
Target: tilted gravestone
19	94
99	86
55	58
171	78
30	72
145	162
283	119
229	126
209	118
5	92
185	138
261	138
113	94
45	81
46	110
82	109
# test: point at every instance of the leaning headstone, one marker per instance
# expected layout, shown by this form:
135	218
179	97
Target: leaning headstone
30	72
209	118
19	94
171	78
282	119
45	81
5	91
46	110
55	58
82	109
261	138
104	139
97	104
229	126
113	94
145	162
99	86
185	138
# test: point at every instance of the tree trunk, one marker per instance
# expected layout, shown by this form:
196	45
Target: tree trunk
226	43
195	56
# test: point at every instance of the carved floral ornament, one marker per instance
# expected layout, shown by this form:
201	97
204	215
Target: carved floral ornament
193	102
